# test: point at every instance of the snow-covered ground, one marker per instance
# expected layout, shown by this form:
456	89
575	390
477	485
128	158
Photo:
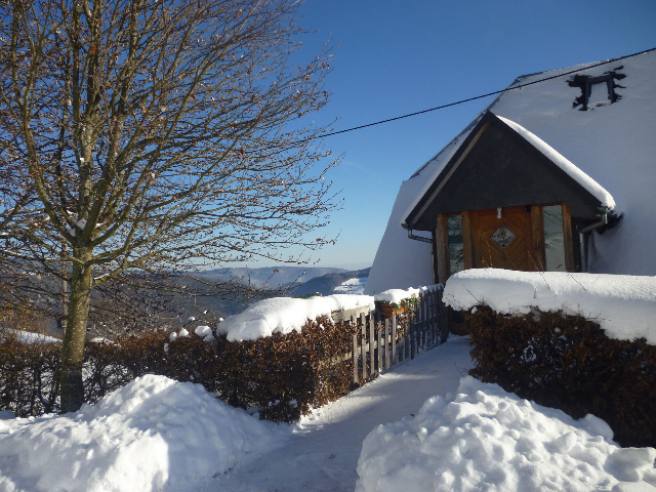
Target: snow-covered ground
154	434
323	452
488	439
623	305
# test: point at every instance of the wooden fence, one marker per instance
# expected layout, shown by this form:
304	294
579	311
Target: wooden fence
379	344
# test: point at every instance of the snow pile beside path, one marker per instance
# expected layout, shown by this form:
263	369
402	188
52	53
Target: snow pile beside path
623	305
286	314
29	337
152	434
488	439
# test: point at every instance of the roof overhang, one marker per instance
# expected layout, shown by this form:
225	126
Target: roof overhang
535	173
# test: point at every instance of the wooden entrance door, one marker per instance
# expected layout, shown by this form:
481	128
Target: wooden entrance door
504	239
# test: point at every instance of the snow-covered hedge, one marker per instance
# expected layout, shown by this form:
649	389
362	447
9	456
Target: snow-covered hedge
569	362
487	439
286	314
154	434
28	337
623	305
397	296
279	376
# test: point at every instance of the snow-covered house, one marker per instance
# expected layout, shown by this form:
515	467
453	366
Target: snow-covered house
556	175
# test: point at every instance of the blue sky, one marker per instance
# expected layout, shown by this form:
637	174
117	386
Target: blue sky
393	57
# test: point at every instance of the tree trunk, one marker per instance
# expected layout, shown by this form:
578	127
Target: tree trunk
70	378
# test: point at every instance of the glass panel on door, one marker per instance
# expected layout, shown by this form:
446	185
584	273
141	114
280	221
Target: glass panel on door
455	243
554	241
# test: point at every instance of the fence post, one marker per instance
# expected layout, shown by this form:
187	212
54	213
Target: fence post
372	353
443	317
431	318
427	326
363	324
413	329
379	334
420	325
406	338
436	322
394	354
385	344
355	350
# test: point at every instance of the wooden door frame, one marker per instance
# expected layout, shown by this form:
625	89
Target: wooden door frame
537	252
568	240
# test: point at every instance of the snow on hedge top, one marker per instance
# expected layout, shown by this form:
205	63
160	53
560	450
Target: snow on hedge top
594	188
488	439
286	314
154	434
396	296
623	305
29	337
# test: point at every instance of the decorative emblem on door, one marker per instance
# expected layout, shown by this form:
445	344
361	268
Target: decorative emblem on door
503	236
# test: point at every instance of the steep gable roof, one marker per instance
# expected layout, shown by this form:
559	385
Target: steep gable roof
612	143
502	164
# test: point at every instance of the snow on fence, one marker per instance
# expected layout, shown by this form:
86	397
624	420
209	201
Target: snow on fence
380	343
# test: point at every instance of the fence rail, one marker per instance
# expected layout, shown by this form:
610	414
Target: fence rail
379	344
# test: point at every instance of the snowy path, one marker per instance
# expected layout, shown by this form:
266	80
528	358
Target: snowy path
323	452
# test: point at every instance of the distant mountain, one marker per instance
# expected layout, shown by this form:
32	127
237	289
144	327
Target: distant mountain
267	277
252	284
326	284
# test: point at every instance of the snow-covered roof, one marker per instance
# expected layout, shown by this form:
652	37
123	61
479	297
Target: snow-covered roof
613	144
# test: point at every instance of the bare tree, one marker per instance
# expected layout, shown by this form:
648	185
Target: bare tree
150	134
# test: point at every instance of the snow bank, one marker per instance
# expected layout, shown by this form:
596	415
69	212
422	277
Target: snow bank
29	337
623	305
286	314
152	434
488	439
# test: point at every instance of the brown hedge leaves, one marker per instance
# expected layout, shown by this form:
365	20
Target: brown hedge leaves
568	362
280	377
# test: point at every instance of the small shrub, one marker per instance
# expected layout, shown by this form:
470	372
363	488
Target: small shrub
568	362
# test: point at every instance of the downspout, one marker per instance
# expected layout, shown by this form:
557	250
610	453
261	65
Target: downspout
583	247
